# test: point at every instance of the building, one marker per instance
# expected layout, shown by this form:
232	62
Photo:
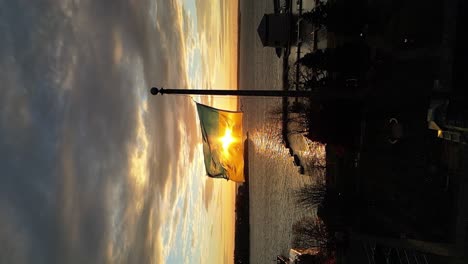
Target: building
277	30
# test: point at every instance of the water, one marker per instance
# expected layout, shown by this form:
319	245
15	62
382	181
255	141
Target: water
273	176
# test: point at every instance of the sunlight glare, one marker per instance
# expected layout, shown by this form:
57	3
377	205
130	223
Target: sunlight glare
227	139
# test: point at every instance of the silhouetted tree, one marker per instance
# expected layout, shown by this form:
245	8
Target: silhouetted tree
349	60
310	196
316	60
296	116
307	78
310	232
319	15
344	17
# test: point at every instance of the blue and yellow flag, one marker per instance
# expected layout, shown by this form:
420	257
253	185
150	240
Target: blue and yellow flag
223	148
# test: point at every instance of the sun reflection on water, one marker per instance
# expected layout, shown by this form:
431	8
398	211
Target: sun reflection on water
269	143
268	140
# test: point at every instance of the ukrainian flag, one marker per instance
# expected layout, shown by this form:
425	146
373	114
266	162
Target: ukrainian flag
223	148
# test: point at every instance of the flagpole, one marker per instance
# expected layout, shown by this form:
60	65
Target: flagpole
257	93
267	93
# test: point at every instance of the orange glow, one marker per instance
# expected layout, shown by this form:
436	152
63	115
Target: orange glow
227	139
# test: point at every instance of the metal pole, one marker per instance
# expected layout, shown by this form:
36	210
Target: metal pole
320	95
260	93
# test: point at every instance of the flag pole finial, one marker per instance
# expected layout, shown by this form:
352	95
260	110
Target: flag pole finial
154	90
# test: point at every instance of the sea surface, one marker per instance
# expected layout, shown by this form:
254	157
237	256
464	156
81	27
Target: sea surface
273	176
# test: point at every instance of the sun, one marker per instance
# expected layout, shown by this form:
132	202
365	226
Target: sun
227	139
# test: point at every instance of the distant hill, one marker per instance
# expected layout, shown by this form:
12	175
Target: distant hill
242	234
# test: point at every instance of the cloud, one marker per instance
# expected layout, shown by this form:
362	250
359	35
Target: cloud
208	193
86	156
93	169
15	245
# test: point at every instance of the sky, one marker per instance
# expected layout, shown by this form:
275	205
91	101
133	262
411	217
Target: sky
93	168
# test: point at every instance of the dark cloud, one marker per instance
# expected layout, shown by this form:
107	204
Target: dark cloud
69	106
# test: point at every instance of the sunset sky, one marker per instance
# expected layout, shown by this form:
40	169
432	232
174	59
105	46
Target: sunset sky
94	169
